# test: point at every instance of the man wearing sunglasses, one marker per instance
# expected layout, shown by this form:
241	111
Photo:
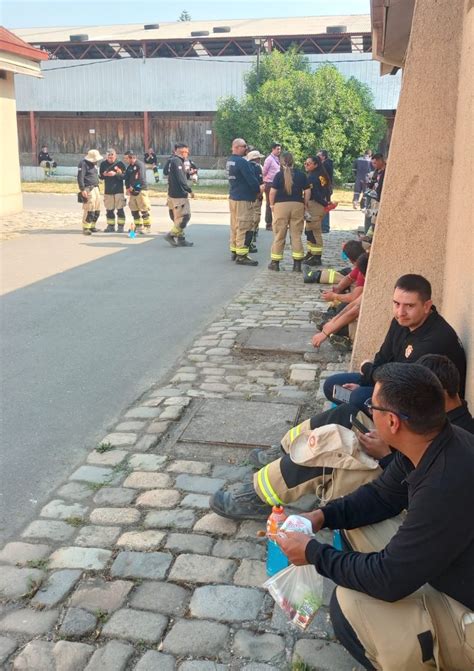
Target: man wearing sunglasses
405	595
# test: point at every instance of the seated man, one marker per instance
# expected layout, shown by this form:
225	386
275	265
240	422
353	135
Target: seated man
281	480
416	329
351	250
405	595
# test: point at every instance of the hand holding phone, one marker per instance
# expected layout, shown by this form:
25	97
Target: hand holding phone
341	394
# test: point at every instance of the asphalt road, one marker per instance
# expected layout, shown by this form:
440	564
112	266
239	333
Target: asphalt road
87	325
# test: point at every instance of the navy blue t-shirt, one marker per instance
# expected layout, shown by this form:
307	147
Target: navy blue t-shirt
300	183
243	182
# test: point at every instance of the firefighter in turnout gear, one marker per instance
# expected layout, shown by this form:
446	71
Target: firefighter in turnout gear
45	161
136	186
179	193
319	199
88	182
151	158
112	172
254	157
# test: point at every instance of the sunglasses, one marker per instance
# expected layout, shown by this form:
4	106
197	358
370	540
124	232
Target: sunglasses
370	408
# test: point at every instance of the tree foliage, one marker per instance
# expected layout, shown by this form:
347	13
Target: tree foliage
184	16
286	102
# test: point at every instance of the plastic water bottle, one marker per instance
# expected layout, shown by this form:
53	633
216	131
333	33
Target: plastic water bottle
276	558
337	540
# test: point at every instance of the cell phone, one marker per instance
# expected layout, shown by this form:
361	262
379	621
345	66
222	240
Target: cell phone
341	394
358	425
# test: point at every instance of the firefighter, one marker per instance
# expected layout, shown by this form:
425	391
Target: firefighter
45	161
88	182
151	158
179	193
136	186
112	171
320	198
254	157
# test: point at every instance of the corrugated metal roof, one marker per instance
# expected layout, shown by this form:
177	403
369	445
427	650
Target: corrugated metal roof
304	25
170	84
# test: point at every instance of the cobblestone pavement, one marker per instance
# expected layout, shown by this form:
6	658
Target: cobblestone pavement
126	568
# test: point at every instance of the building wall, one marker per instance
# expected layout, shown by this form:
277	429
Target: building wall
425	220
10	186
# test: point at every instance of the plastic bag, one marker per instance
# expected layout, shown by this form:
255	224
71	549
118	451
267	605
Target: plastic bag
298	590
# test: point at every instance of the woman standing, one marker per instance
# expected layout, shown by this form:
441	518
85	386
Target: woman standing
320	198
289	195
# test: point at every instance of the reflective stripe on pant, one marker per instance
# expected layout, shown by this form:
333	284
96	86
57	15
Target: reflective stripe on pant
241	221
288	216
181	209
314	226
91	206
140	204
330	276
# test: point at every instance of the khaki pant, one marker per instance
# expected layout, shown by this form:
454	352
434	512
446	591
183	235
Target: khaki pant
241	221
317	215
140	204
181	209
257	213
114	201
288	216
91	208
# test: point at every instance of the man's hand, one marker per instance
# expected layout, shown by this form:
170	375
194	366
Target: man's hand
191	195
293	545
316	517
373	445
85	195
329	296
351	386
318	339
129	190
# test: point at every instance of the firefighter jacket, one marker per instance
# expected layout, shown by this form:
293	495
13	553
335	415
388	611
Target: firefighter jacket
320	187
177	183
112	185
243	183
87	175
151	158
135	177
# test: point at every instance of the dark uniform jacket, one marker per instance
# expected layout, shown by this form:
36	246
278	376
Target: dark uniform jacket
112	185
434	336
44	156
87	175
320	186
243	183
151	158
435	543
177	183
135	177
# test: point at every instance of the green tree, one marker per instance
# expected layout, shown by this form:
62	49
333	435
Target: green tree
184	16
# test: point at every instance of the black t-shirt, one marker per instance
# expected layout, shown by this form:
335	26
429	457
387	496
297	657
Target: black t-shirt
300	183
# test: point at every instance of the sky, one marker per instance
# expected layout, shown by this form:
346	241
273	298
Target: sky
44	13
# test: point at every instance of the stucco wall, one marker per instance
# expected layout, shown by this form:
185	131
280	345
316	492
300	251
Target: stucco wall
423	225
10	186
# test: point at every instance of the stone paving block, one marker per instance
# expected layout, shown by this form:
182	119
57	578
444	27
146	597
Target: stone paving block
198	665
298	375
151	565
199	484
112	657
96	536
189	543
215	524
120	439
48	656
133	425
29	622
71	656
159	498
278	340
146	462
114	516
146	480
190	467
202	569
15	582
135	625
231	473
99	594
197	638
114	496
90	559
147	442
200	501
256	666
7	646
77	623
36	655
60	510
177	400
239	550
184	377
169	519
167	392
329	656
141	540
111	458
226	603
161	597
143	412
250	529
158	427
22	553
251	573
95	474
171	413
74	491
152	402
57	586
156	661
260	647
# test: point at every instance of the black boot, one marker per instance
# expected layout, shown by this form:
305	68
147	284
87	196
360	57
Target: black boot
296	266
233	255
110	228
120	228
314	260
274	265
182	242
245	261
252	248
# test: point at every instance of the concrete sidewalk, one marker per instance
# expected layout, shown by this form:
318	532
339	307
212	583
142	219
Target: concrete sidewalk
125	567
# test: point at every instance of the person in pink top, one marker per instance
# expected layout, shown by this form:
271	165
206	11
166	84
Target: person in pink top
270	168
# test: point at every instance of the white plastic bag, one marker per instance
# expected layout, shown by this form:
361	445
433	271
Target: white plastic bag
298	590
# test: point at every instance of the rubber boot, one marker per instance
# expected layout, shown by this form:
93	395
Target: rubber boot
233	256
274	265
314	260
120	228
110	228
296	266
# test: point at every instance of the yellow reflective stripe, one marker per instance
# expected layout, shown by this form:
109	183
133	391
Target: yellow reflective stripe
315	250
295	431
297	255
277	257
265	487
332	275
242	250
232	249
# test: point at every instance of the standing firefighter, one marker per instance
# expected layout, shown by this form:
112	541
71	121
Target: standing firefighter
243	190
88	182
179	193
151	159
253	157
136	186
112	171
319	199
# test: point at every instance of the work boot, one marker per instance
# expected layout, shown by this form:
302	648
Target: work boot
233	256
182	242
110	228
86	231
262	457
307	256
320	315
314	260
296	266
245	261
94	230
139	230
274	265
252	248
340	343
171	240
120	228
243	504
147	229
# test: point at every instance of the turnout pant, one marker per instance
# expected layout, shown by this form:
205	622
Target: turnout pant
288	216
91	208
140	208
241	226
180	212
257	213
112	202
313	228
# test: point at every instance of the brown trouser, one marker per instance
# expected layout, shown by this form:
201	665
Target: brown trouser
181	209
314	226
257	212
241	221
288	215
92	205
140	205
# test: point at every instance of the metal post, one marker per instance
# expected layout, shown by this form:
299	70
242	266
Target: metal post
33	138
145	130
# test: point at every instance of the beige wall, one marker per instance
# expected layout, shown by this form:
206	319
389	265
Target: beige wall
10	186
424	225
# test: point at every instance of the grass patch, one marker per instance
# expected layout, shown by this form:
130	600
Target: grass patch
101	615
94	486
104	447
301	666
75	521
41	564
